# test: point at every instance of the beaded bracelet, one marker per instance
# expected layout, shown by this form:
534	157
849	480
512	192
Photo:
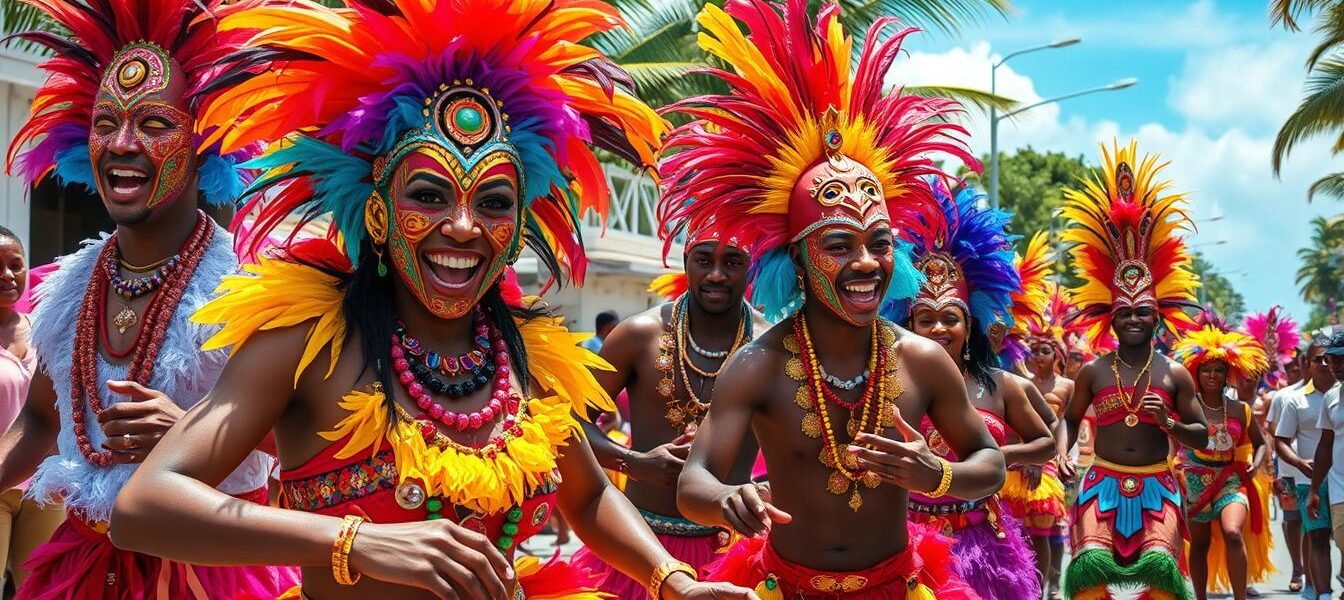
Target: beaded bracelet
340	551
945	483
665	570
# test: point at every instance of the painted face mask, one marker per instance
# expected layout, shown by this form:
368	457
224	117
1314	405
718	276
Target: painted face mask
462	149
141	105
839	197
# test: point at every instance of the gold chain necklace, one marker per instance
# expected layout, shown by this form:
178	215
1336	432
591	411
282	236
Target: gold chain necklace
685	415
1132	418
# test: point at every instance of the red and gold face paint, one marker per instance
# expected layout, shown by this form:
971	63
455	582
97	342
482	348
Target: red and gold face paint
449	202
840	197
141	117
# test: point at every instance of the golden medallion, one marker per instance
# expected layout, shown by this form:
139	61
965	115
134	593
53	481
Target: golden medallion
125	319
794	369
131	74
791	344
837	483
855	501
812	425
870	479
803	398
675	416
1131	420
827	458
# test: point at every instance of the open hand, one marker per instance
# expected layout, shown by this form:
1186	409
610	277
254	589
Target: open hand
748	509
1154	406
662	464
133	427
909	464
679	586
451	561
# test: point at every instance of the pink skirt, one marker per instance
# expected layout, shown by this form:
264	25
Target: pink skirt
698	552
80	563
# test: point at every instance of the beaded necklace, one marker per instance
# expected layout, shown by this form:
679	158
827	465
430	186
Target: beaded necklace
90	331
1132	418
673	361
475	366
813	397
503	389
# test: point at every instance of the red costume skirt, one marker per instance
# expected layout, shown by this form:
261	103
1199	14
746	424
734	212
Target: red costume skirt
924	571
79	562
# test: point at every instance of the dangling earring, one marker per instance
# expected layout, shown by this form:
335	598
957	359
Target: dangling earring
966	352
802	289
382	268
375	221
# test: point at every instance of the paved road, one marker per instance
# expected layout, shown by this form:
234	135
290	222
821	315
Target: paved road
1275	589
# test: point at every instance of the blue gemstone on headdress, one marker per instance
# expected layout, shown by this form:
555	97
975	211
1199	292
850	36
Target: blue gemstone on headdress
833	139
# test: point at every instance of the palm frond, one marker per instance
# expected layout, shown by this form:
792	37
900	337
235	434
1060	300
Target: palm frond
17	17
971	98
944	16
1321	110
1331	185
1287	12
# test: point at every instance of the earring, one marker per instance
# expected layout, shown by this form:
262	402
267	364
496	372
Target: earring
966	352
382	268
375	222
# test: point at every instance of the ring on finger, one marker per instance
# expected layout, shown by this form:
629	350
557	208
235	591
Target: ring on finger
127	440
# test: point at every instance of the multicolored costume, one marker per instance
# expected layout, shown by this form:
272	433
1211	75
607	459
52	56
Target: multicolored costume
801	147
966	256
1220	475
1029	301
123	60
469	91
1128	520
1278	334
1042	509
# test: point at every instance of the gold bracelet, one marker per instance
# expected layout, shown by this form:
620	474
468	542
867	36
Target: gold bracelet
665	570
340	551
945	483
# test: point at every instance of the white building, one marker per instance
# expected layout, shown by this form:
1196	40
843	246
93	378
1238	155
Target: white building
624	257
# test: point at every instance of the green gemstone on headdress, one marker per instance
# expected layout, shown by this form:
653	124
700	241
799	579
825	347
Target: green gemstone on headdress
468	119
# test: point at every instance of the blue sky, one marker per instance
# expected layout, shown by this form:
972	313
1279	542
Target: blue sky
1215	83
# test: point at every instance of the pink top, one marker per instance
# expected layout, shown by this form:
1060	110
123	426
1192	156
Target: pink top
15	375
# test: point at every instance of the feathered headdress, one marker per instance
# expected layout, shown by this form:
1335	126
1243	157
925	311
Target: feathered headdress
966	256
1277	332
1210	317
1030	300
1128	254
103	36
1244	356
354	89
796	103
1052	325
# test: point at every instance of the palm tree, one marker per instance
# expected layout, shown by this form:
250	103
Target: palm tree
1322	108
658	47
1320	277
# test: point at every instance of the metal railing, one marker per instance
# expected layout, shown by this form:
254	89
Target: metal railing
634	201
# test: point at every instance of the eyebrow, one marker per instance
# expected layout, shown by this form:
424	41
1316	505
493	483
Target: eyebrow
495	183
430	177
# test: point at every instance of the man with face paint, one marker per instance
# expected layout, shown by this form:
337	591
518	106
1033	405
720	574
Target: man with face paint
667	359
120	359
427	415
1128	527
824	166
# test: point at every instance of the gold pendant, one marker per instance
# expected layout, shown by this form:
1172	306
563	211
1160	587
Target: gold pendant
837	483
125	319
794	369
871	480
852	427
1131	420
855	501
827	459
675	417
812	425
803	398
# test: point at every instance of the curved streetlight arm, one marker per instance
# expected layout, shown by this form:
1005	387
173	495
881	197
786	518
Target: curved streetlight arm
1055	44
1119	85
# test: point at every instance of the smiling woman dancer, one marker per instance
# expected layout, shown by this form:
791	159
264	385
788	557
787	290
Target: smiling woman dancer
425	425
966	257
1229	528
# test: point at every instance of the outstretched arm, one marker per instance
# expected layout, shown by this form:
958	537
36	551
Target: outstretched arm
199	525
702	495
32	437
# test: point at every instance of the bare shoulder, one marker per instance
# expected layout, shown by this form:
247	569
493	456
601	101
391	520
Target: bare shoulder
761	355
917	351
759	324
647	324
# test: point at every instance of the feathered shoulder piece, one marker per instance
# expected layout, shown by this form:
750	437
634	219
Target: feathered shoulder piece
477	82
127	48
1245	357
796	106
1126	225
966	256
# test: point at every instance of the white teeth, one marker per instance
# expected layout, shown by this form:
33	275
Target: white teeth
860	288
455	262
127	173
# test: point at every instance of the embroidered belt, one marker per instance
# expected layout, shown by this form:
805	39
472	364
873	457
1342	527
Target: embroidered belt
348	483
947	508
676	526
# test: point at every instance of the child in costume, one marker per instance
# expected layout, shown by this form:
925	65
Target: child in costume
426	422
966	257
1128	522
1229	523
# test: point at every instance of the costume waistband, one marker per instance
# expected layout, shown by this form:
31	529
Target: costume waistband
676	526
947	508
1152	469
904	566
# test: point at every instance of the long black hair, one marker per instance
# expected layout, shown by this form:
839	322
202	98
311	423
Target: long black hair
368	309
984	361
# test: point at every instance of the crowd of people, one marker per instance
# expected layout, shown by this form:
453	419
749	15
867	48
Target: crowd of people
857	387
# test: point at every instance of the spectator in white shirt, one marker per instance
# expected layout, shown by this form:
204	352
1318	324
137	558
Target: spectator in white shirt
1298	422
1328	460
1286	476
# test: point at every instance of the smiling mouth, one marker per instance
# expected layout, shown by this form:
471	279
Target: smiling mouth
126	182
861	293
453	272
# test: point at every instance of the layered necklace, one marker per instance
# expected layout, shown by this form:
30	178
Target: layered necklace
1220	439
1128	398
673	361
90	329
871	413
411	363
152	278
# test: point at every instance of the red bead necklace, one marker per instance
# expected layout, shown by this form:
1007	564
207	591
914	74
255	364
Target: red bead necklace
90	330
500	398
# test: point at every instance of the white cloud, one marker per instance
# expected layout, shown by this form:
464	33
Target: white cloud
1220	154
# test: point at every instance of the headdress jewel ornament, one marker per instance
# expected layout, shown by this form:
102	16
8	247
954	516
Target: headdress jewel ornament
795	106
1129	253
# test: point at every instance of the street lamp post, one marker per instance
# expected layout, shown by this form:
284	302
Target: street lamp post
994	117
